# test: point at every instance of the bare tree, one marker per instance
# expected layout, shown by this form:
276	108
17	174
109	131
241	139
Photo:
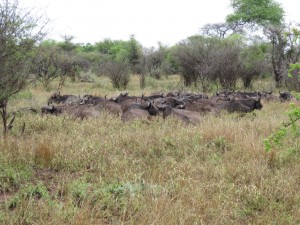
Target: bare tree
221	30
278	57
20	30
47	64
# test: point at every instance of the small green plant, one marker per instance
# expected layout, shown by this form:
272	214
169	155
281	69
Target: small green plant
285	141
38	191
12	176
290	127
79	190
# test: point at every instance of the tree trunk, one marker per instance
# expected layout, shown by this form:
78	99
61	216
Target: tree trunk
3	107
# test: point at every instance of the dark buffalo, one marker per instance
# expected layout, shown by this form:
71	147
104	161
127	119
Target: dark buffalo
127	103
252	103
122	97
187	116
48	109
90	99
78	111
224	93
63	99
285	96
198	107
173	102
172	94
152	97
134	113
231	107
110	107
148	106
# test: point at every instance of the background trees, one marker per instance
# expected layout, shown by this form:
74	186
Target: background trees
223	61
221	55
269	16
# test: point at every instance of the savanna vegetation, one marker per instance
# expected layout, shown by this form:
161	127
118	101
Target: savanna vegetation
229	169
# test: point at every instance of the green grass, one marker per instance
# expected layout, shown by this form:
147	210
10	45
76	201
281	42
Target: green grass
104	171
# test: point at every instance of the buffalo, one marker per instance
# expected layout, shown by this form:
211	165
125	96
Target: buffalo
64	99
93	100
111	107
231	107
187	116
135	113
285	96
78	111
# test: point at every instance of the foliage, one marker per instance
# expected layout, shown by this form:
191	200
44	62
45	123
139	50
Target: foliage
261	12
277	141
254	63
12	176
278	52
221	30
46	65
154	60
38	191
118	72
220	60
293	79
19	33
194	56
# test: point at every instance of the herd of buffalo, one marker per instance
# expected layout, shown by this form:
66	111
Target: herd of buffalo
188	107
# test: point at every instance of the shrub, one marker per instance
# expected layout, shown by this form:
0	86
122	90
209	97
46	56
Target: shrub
118	72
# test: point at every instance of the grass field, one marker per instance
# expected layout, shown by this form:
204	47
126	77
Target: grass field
104	171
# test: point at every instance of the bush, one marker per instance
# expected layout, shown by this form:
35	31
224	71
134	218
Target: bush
118	72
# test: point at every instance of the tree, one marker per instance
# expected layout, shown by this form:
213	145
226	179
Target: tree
278	58
118	72
193	57
269	15
20	30
154	59
67	45
221	30
46	64
254	62
134	54
256	12
285	50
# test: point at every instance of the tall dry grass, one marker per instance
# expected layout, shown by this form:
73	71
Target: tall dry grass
104	171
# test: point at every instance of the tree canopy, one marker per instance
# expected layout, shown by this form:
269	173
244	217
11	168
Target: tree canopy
260	12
